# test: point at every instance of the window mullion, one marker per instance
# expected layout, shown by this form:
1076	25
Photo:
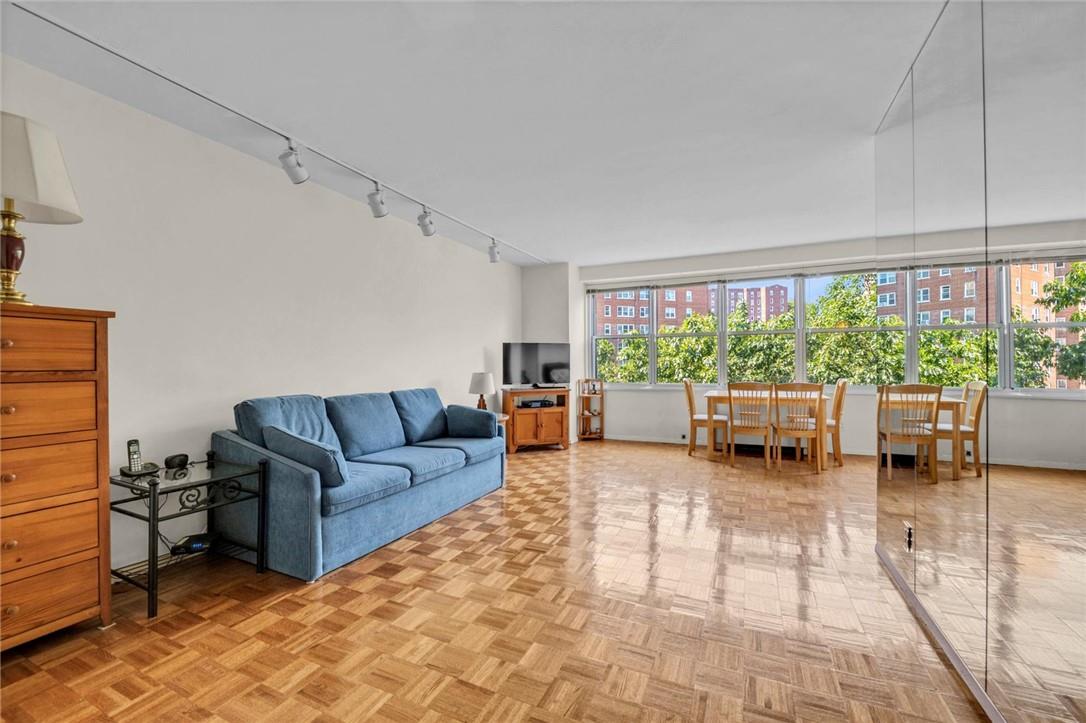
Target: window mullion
722	335
912	329
652	334
800	317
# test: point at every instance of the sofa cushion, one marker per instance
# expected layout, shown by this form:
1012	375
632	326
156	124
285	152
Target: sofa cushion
471	422
326	459
300	414
365	423
422	414
366	483
424	463
475	449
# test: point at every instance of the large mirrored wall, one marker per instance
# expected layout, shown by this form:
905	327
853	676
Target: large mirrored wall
981	206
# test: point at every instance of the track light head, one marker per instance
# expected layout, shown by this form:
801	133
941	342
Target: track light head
291	160
377	202
426	222
494	251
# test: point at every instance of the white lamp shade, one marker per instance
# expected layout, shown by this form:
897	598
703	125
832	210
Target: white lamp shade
33	174
481	383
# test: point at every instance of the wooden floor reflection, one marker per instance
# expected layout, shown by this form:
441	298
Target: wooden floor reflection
611	582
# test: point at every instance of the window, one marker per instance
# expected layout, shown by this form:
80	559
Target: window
644	295
851	330
844	338
944	272
970	269
1033	267
761	328
688	350
923	273
887	277
1048	328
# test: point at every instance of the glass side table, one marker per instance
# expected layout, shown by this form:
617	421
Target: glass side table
209	484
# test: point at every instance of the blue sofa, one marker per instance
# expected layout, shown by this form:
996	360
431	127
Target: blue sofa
351	473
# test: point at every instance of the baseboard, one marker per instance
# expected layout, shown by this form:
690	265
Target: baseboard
940	639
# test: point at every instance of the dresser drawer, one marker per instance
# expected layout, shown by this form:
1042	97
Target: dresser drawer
31	473
34	537
43	598
46	345
46	407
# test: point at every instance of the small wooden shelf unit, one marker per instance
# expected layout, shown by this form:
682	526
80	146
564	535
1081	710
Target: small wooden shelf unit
590	409
534	426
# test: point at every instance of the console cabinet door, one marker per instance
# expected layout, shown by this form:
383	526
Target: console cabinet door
552	426
527	427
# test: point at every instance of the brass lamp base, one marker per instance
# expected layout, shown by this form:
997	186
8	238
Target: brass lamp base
8	293
11	255
482	402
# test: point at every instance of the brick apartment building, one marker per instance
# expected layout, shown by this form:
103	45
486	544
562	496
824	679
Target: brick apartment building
967	294
629	312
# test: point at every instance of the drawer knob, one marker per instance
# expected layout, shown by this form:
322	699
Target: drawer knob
11	544
7	343
8	410
11	609
8	477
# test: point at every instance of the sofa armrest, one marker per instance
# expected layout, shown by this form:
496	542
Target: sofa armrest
294	508
470	422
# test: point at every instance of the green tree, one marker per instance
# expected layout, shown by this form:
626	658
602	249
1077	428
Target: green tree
1063	295
688	357
761	357
865	357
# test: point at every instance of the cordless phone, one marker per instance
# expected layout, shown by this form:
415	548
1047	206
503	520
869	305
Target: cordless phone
135	461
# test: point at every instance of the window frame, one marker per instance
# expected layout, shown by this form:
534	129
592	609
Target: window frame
1006	286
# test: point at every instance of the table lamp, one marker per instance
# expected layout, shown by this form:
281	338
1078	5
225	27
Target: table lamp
35	187
482	383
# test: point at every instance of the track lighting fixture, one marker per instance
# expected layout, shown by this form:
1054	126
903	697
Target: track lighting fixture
291	161
426	222
494	251
377	202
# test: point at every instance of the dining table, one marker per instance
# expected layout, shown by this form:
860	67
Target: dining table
715	397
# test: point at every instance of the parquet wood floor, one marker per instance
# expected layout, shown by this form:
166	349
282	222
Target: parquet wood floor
611	582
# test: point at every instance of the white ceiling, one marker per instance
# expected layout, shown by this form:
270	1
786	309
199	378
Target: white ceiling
582	132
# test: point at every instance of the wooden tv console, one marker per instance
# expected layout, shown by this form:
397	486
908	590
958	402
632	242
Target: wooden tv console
529	427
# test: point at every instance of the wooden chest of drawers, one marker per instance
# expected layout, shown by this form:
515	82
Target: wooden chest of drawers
54	470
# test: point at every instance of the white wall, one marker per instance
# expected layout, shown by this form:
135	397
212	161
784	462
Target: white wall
553	306
230	283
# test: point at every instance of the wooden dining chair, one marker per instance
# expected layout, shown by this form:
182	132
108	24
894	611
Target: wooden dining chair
908	414
748	413
795	414
701	421
975	394
833	421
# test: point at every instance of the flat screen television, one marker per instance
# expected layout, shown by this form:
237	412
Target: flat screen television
535	364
